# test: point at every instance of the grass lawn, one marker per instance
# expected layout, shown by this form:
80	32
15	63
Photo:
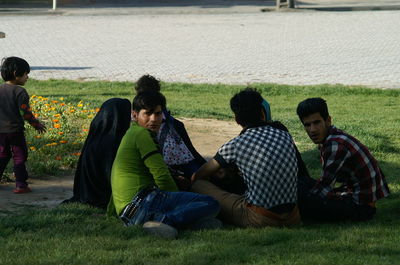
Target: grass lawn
77	234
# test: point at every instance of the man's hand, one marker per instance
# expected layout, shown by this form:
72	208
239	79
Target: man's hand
183	183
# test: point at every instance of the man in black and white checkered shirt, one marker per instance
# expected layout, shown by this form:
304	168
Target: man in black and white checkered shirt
266	158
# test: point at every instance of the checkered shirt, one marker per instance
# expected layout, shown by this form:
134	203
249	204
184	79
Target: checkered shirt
345	160
267	160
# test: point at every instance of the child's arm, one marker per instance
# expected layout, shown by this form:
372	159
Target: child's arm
23	101
28	116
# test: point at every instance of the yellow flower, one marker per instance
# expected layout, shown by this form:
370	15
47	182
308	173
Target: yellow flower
61	98
79	105
57	125
32	148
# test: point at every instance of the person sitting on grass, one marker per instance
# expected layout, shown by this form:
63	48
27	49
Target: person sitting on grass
92	182
345	161
143	191
266	158
177	149
14	109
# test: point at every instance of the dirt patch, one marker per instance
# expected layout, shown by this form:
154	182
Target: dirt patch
207	136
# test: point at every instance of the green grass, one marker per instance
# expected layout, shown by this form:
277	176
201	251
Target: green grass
76	234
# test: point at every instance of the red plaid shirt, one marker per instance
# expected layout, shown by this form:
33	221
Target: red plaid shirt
345	160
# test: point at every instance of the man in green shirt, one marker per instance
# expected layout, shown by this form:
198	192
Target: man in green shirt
143	191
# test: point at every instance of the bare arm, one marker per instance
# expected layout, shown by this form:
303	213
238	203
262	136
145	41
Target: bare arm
207	170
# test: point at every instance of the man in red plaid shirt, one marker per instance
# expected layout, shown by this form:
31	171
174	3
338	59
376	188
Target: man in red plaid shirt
351	180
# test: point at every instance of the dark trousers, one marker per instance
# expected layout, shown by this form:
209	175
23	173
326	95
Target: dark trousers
14	145
314	207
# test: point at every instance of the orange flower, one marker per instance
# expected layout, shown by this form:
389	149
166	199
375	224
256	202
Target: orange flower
63	141
85	130
71	110
60	133
58	157
24	106
57	115
62	104
79	105
57	125
76	154
97	109
55	101
32	148
56	120
38	136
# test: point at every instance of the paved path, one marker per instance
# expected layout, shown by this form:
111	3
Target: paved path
241	45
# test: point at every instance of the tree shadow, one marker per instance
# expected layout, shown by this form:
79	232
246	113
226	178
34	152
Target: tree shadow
59	68
138	3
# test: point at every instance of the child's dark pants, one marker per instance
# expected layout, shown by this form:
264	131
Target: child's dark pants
14	145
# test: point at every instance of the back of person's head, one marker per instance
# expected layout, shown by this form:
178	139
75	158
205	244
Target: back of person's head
13	67
312	105
113	117
247	106
148	100
147	83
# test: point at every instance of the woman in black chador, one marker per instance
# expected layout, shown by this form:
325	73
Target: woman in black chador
92	177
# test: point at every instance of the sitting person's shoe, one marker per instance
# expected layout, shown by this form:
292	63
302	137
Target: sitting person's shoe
19	190
207	223
160	229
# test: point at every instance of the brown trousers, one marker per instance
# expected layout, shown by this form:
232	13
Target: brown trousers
235	210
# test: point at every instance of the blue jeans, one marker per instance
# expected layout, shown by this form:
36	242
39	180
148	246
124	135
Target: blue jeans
177	209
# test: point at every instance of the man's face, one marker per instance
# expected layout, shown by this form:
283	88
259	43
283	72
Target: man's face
21	80
149	119
316	127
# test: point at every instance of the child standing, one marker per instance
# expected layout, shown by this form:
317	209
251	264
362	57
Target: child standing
14	109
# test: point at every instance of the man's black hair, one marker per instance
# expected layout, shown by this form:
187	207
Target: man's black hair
247	106
147	83
148	100
13	67
312	105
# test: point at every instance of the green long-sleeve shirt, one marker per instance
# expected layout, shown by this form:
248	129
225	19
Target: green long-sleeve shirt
137	165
